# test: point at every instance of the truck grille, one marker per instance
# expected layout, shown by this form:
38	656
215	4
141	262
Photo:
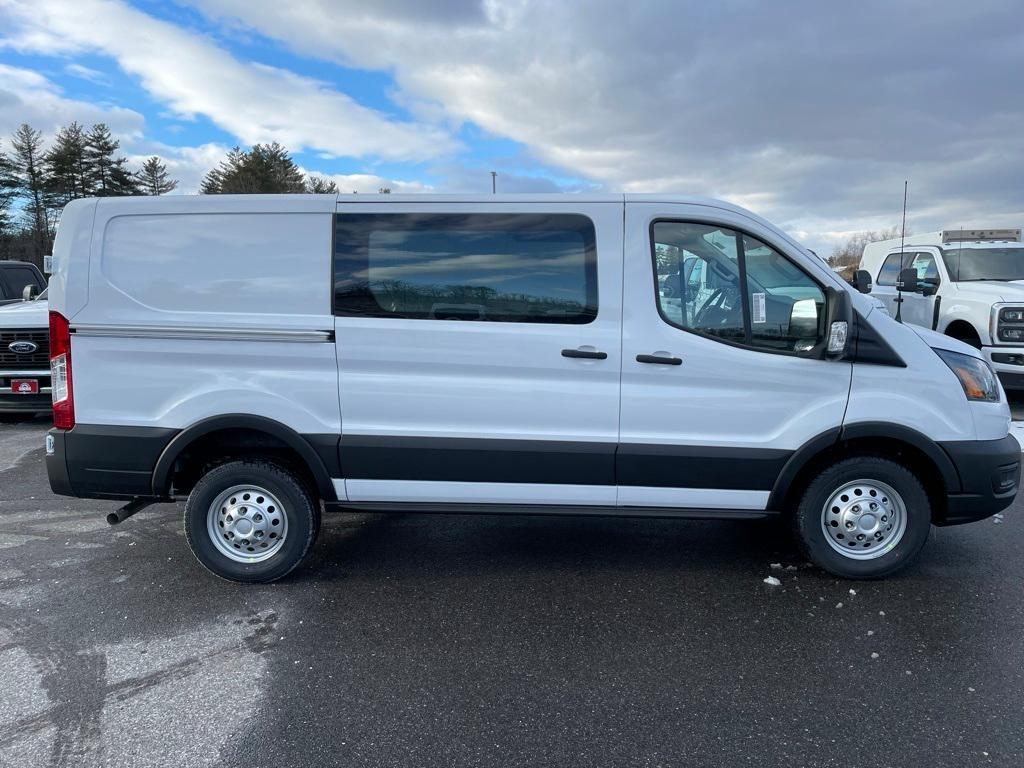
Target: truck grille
38	359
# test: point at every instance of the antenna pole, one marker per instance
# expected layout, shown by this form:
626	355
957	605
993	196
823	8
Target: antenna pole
903	237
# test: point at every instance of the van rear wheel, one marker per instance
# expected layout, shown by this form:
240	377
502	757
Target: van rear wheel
864	517
251	521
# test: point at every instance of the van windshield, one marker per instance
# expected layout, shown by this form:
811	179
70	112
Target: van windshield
965	264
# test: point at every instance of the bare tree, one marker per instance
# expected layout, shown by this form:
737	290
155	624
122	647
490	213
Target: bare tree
848	254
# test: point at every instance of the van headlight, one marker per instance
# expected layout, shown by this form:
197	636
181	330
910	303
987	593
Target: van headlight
975	375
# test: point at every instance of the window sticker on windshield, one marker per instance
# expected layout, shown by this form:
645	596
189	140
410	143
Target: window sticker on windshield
757	309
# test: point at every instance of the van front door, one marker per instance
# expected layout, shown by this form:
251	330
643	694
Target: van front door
478	351
715	394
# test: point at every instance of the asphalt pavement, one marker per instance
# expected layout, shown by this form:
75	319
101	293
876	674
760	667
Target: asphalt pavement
496	641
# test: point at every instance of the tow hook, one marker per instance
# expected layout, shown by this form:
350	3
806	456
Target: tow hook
135	505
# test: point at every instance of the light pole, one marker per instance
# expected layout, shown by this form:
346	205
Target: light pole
494	182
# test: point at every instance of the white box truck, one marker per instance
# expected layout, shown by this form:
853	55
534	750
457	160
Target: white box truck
968	284
270	357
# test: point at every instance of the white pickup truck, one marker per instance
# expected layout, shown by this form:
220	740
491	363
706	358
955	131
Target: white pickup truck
965	283
24	359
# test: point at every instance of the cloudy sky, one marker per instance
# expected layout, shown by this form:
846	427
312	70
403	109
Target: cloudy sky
810	113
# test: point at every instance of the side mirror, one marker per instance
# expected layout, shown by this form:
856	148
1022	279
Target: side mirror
803	319
907	281
28	292
928	287
862	280
838	323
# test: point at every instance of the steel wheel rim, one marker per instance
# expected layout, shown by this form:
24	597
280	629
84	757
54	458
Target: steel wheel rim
247	523
864	519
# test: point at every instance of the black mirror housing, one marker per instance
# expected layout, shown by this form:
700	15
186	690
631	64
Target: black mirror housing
907	281
838	327
862	280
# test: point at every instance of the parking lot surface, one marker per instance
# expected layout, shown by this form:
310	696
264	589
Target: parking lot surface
496	641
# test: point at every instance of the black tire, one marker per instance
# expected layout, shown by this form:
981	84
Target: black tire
301	508
807	518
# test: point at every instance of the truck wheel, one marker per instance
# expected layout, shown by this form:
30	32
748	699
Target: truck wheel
251	521
863	518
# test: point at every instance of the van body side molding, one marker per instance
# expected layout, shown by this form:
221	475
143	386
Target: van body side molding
560	462
203	333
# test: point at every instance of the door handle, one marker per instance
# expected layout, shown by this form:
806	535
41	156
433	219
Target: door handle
659	360
585	353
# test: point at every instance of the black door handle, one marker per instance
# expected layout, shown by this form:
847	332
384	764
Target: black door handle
659	360
585	353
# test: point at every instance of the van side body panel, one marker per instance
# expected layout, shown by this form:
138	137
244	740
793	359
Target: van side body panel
179	326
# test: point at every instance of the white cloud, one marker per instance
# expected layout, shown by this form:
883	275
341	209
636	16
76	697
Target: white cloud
28	97
192	76
812	113
370	183
87	73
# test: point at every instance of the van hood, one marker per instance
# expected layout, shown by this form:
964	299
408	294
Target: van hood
999	290
941	341
25	314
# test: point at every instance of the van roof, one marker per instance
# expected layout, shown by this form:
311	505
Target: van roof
343	198
113	206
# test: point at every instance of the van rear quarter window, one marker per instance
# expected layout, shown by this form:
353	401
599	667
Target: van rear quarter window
518	268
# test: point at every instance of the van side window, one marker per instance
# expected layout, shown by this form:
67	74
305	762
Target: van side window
699	279
513	268
732	286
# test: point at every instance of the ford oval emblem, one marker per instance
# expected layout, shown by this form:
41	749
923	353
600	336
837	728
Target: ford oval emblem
23	347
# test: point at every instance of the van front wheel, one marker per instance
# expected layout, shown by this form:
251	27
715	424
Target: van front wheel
863	518
251	521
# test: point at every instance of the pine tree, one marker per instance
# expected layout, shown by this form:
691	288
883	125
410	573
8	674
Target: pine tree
67	169
30	184
153	178
107	172
8	191
266	168
318	185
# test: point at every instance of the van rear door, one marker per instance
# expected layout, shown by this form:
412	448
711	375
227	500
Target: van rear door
478	351
715	395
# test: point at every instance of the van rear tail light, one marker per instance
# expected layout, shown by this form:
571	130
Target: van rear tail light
60	372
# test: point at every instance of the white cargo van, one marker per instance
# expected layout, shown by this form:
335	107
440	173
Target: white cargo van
268	356
967	283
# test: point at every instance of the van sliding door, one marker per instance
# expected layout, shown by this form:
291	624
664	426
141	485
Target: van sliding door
478	351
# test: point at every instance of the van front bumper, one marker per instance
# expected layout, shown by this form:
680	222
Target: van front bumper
989	473
1008	363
